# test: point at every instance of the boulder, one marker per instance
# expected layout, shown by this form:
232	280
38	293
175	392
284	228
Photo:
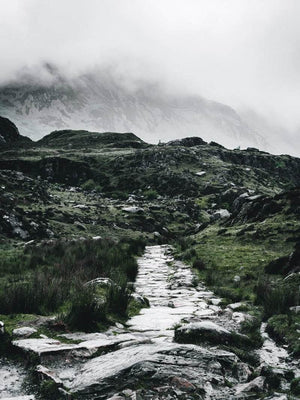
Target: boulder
183	384
187	142
220	214
45	373
25	331
30	397
207	331
133	210
256	386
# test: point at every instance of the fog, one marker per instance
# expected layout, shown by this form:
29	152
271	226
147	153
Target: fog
242	53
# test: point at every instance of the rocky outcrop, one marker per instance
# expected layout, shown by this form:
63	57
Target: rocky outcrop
75	139
285	265
187	142
9	134
52	169
208	332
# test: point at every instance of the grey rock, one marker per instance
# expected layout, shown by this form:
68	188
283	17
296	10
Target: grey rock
44	372
25	331
207	331
257	385
220	214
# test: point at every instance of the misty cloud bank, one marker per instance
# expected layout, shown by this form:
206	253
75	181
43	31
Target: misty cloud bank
242	53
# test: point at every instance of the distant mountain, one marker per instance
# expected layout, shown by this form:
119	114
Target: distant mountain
98	102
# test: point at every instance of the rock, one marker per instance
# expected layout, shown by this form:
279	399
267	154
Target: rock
187	142
30	397
295	309
278	396
215	301
207	331
183	384
200	173
171	304
128	392
45	373
133	210
140	299
25	331
236	279
9	134
2	327
235	306
80	226
101	282
81	206
43	346
242	372
257	386
277	266
220	214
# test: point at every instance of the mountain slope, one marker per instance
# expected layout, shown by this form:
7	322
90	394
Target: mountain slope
9	134
99	102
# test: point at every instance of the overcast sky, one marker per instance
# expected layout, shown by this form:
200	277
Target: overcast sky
244	53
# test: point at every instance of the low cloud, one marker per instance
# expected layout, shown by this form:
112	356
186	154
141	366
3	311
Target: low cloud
243	53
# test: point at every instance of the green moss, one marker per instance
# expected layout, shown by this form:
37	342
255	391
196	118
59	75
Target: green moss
135	307
14	321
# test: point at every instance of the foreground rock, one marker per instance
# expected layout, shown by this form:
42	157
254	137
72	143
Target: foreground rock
207	331
142	352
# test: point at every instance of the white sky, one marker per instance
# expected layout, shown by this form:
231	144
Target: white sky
244	53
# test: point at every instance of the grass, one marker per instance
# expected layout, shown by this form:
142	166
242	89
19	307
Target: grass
55	274
276	297
231	260
284	328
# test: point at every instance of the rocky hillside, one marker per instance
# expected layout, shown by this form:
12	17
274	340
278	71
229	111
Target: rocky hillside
77	207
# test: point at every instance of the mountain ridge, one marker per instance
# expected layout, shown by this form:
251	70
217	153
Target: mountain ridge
100	102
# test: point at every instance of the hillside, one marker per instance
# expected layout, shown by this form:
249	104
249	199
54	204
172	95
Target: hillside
85	139
9	134
78	207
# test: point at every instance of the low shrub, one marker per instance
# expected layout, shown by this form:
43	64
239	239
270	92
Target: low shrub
251	328
118	297
295	386
199	265
275	297
150	194
86	310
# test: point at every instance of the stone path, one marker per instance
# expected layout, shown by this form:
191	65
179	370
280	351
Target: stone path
142	361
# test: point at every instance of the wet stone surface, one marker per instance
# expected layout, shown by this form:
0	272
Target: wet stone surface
12	379
142	360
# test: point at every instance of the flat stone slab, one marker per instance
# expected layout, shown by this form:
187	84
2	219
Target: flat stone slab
25	331
42	346
30	397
